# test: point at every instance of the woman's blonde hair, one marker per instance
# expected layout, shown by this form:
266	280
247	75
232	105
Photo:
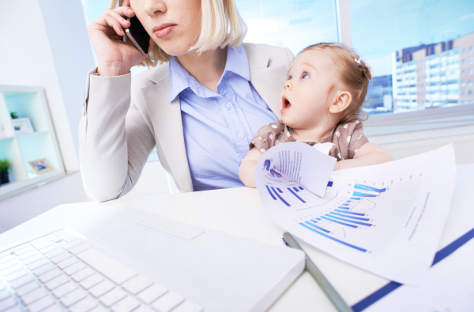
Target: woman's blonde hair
354	74
221	25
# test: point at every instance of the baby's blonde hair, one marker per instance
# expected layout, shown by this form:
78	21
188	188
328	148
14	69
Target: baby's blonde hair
221	25
354	74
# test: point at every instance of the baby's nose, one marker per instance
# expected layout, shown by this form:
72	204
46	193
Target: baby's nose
288	85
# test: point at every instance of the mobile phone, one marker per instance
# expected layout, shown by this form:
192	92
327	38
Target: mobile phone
138	35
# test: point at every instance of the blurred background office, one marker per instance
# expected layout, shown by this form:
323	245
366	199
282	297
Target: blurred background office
421	97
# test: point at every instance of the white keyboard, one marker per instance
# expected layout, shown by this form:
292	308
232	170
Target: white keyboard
61	272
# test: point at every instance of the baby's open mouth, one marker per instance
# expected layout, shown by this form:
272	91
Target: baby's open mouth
285	103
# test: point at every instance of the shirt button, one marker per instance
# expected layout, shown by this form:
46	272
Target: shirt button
227	106
240	135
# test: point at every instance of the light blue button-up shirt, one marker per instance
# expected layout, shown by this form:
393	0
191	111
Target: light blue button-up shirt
219	126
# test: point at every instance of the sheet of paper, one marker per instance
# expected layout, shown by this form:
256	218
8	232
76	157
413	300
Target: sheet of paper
298	162
386	219
447	287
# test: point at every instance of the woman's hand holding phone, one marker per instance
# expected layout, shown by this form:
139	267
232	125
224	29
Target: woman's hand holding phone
114	56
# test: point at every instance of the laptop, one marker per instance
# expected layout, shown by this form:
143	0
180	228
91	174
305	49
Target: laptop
123	259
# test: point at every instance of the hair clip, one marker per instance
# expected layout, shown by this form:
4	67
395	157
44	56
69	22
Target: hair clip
359	61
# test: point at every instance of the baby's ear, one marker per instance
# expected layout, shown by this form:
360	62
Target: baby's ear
342	100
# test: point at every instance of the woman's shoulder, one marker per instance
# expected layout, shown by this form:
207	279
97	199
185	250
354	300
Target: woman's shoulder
274	53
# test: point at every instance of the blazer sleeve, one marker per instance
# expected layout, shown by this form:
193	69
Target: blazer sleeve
114	140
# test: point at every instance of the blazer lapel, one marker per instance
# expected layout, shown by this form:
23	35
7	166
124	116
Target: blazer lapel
268	81
168	128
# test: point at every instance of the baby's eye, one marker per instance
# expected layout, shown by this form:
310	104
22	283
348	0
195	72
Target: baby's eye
289	78
304	76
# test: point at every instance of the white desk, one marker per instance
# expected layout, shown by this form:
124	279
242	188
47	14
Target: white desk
240	212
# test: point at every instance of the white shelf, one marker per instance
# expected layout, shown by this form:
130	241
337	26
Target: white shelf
22	148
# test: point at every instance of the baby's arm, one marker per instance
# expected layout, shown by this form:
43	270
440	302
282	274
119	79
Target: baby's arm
247	167
368	154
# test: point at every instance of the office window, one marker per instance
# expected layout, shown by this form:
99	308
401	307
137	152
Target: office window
471	60
396	37
471	71
470	82
463	82
469	92
471	49
294	24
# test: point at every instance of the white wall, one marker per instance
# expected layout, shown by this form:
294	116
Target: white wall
44	43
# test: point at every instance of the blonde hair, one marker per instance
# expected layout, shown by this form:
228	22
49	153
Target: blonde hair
354	74
221	25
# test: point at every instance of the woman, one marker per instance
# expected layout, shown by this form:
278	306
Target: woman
201	106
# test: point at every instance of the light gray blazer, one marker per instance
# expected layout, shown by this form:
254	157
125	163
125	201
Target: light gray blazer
121	124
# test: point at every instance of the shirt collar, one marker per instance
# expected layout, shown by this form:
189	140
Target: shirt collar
180	79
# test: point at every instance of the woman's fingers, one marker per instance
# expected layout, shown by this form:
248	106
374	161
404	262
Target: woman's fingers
123	22
115	24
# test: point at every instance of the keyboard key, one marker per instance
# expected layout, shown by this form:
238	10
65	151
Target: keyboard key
64	289
74	296
49	249
143	308
4	294
43	269
60	257
8	264
20	291
91	281
78	248
82	274
41	304
112	297
188	307
136	284
37	264
16	275
65	263
5	257
99	308
54	252
54	308
33	295
56	282
85	304
167	302
16	308
23	250
41	243
101	288
22	281
11	269
32	259
50	275
126	305
152	293
28	254
106	265
70	270
7	303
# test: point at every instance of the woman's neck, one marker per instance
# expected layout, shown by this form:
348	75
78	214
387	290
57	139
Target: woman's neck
206	68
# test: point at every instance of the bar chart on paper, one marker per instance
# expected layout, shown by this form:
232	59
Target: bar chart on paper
356	215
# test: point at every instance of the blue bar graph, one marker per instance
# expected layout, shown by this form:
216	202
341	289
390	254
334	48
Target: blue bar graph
340	207
348	216
279	190
352	213
278	195
301	188
334	239
296	195
296	189
271	194
318	227
369	188
342	223
339	217
345	204
355	198
363	194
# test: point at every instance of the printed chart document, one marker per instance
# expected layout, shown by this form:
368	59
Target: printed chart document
447	287
386	219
